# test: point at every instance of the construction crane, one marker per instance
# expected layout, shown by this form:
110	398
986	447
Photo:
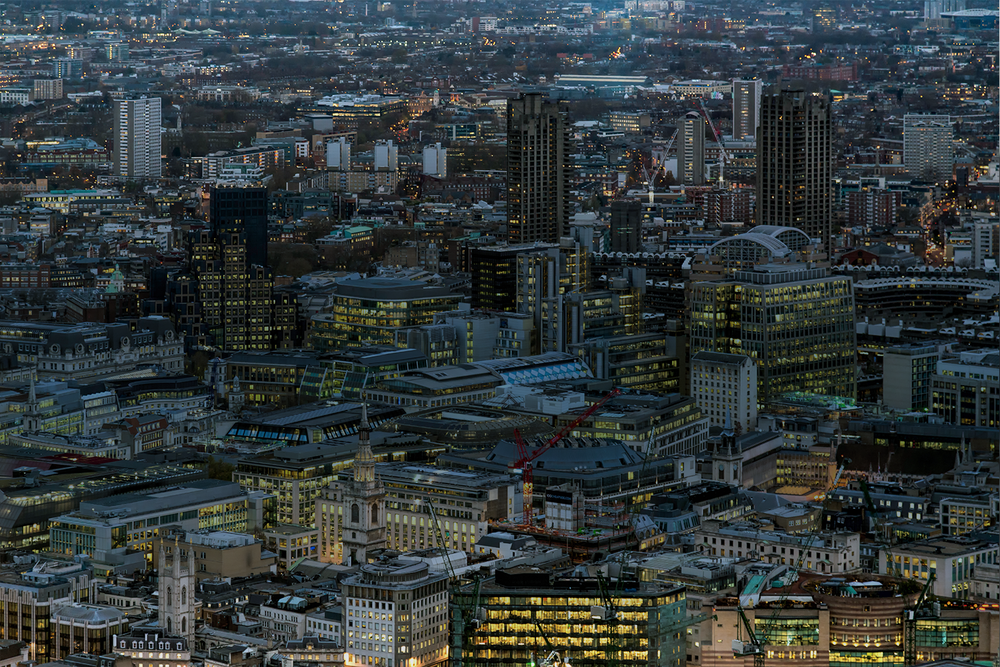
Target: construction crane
894	569
910	624
611	614
637	501
723	155
467	621
757	640
553	659
753	645
523	462
656	165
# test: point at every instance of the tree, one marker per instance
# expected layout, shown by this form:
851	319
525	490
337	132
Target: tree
292	259
219	469
74	26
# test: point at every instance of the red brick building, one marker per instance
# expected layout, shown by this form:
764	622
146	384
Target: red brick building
873	208
727	206
817	72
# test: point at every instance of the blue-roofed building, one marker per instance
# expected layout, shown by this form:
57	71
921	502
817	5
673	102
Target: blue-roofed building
547	367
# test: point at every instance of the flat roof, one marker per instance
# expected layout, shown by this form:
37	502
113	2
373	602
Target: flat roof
162	500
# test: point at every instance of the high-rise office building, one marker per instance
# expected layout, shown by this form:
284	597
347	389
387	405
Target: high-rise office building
795	163
626	226
137	138
691	150
746	108
227	301
796	323
906	375
927	146
538	170
242	209
725	388
494	274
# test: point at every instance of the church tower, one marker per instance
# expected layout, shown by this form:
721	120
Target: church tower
32	417
177	589
727	460
363	528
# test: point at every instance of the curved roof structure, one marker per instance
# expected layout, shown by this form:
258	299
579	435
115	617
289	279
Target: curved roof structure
795	239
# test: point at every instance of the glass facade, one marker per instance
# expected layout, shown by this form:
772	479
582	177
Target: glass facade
942	633
872	657
789	631
798	326
357	321
522	622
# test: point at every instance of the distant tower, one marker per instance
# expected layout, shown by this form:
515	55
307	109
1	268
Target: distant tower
539	145
795	163
364	502
137	139
691	150
746	108
435	161
338	154
177	587
927	146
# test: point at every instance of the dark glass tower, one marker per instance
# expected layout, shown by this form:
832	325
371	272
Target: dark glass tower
242	210
626	226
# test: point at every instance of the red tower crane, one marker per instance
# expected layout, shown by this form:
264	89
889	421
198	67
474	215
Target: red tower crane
524	458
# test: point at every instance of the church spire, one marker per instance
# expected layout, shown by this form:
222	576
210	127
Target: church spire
364	462
728	434
32	418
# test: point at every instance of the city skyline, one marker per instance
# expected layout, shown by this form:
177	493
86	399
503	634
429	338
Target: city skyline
638	333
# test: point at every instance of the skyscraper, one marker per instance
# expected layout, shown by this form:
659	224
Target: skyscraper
226	301
242	209
795	163
691	150
927	146
137	138
746	108
538	170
